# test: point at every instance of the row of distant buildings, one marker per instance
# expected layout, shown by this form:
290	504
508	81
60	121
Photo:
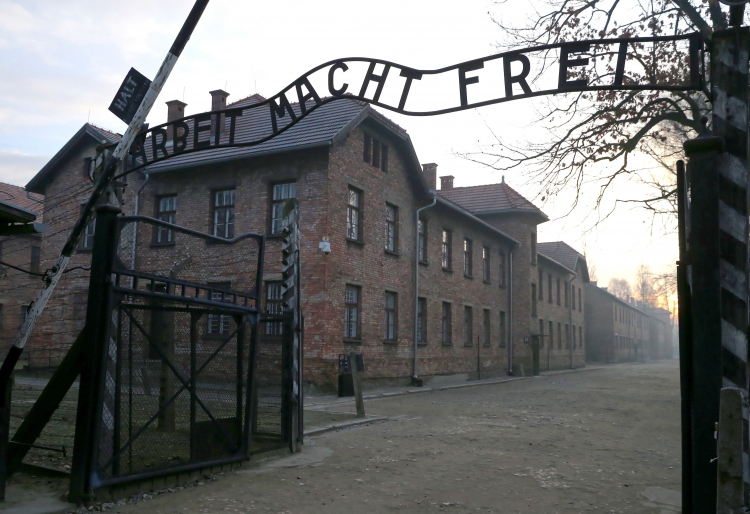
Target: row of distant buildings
456	269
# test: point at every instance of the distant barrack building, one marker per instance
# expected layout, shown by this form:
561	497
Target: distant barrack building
456	270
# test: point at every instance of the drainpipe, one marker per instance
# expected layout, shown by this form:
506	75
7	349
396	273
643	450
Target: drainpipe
37	200
510	312
416	280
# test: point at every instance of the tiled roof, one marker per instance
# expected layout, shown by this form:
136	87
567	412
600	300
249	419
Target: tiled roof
112	136
561	252
16	196
101	135
318	128
489	198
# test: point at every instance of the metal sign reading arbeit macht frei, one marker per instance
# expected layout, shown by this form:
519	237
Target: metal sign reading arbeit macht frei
601	65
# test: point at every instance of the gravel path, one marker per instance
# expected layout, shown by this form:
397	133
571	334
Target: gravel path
600	441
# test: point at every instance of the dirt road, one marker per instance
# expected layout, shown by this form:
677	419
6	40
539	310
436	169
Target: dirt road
594	441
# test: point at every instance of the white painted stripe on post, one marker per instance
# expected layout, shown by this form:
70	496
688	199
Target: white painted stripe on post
733	168
733	280
722	103
735	341
732	222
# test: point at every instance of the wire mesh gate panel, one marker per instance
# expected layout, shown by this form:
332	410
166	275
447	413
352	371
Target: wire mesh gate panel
186	380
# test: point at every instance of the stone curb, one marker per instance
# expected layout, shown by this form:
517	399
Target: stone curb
344	424
469	384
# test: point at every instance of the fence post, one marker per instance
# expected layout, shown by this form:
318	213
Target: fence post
97	324
705	258
730	486
686	340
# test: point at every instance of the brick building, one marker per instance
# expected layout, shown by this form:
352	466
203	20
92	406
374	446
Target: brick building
616	329
561	298
460	278
18	252
661	333
66	186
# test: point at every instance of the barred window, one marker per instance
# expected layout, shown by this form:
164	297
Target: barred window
281	193
274	306
87	238
218	324
353	214
422	320
446	324
486	263
486	326
533	299
447	257
224	214
391	227
391	302
422	249
533	248
551	335
468	244
351	312
468	326
167	211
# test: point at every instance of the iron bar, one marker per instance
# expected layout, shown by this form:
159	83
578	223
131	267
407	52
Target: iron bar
685	324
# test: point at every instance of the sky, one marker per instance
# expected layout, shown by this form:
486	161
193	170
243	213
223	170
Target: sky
62	62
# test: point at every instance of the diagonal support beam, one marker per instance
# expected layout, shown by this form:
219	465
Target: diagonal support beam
47	404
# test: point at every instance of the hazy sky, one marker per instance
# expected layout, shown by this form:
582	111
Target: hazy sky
62	62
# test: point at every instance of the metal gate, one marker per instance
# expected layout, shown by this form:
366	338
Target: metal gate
183	378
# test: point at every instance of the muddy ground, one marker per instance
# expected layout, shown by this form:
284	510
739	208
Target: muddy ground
595	441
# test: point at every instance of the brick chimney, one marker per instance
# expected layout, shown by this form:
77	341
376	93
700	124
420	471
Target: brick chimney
218	103
430	174
175	111
446	182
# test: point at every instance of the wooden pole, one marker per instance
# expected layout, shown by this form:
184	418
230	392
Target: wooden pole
357	385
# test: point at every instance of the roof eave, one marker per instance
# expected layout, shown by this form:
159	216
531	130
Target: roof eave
459	209
533	212
556	263
35	184
193	164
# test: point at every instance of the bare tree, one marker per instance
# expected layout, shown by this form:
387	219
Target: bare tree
644	287
592	271
591	138
619	287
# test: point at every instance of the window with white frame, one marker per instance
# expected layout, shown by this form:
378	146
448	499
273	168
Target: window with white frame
280	194
224	213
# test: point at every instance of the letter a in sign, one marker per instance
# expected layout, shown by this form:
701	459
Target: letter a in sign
129	96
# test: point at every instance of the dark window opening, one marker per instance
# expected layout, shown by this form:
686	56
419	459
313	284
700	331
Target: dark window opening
468	326
391	228
446	324
391	306
274	307
468	257
354	214
351	312
447	257
281	194
167	212
422	320
224	214
486	264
